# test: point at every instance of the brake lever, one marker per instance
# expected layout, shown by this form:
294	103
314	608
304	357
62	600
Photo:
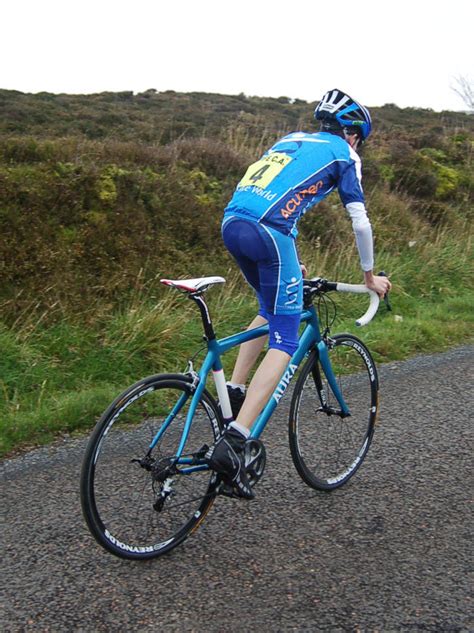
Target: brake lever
385	297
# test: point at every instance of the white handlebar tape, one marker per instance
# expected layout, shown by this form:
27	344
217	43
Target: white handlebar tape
361	289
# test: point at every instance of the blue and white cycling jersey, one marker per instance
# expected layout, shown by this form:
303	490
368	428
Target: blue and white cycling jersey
300	170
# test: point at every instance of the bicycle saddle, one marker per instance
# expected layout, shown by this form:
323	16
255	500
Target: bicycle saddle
193	285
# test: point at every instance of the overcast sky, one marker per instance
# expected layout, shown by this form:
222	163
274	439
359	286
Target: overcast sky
406	52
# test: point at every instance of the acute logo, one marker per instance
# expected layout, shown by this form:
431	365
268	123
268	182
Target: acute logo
294	202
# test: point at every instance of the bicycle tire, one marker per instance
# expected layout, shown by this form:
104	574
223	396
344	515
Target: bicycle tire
327	449
118	495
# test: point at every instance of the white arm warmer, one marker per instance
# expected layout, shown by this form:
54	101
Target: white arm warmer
363	234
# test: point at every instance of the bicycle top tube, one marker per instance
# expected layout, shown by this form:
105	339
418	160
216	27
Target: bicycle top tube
224	344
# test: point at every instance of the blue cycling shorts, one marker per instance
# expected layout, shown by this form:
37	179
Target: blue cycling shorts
269	262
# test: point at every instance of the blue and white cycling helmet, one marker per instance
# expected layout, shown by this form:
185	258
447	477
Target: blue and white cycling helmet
337	105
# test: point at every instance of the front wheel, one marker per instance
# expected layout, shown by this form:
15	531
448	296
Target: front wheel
328	447
138	501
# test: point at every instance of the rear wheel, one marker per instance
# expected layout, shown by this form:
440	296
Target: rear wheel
327	448
136	501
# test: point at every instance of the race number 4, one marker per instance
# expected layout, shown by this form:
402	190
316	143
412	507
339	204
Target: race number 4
261	173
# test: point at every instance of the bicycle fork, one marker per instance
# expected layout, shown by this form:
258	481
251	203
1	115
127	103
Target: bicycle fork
323	356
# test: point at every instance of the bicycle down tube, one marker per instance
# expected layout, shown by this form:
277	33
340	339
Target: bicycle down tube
311	336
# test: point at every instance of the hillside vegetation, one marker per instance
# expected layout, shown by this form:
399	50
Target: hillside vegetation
102	195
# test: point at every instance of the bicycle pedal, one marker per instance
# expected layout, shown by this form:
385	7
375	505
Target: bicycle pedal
227	490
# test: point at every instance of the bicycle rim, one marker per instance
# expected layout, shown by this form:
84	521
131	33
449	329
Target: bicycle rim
131	508
327	448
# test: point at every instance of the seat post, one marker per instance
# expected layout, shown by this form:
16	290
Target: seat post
205	315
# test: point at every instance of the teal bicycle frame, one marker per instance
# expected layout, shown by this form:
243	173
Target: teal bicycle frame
309	338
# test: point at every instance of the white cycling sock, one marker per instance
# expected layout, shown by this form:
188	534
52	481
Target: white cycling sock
243	430
236	385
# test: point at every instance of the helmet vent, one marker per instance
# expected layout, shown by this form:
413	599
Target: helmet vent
339	107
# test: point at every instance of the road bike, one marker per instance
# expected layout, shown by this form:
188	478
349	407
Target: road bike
145	482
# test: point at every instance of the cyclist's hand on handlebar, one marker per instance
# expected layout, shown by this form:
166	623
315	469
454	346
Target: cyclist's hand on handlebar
380	284
304	270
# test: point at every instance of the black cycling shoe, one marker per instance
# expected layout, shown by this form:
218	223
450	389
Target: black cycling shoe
236	397
227	458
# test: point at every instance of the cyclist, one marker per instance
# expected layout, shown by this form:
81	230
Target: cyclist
259	230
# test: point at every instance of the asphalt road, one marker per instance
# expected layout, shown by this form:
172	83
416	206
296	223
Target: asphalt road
390	551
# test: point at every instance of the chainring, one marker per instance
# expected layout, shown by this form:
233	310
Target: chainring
255	460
